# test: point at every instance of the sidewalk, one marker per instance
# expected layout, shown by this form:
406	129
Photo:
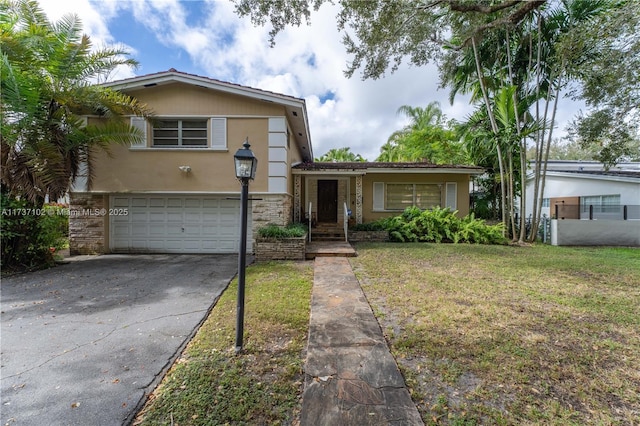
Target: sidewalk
351	377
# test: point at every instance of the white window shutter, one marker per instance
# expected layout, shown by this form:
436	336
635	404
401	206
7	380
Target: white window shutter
378	196
218	133
140	123
451	195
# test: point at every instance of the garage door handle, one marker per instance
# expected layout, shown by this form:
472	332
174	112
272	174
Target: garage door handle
183	229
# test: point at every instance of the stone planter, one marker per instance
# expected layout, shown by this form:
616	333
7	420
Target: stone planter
281	248
368	236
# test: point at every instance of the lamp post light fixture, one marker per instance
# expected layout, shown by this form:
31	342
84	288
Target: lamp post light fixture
246	164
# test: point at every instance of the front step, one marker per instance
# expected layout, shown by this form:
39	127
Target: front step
329	249
327	232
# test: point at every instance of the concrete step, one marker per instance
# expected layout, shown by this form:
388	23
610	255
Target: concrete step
329	249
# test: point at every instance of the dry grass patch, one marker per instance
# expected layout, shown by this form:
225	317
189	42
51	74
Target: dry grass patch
511	335
210	385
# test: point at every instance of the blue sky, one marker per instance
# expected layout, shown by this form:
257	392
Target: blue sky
207	38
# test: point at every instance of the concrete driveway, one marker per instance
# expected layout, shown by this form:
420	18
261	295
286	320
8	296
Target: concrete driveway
83	342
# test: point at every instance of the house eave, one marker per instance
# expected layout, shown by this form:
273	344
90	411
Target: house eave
589	176
382	170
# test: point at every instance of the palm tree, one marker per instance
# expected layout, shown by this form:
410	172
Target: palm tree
341	155
49	75
427	137
517	74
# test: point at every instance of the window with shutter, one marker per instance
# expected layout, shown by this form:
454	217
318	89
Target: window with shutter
219	133
139	123
452	195
378	196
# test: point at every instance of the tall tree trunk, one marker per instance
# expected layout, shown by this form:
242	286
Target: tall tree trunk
523	150
494	128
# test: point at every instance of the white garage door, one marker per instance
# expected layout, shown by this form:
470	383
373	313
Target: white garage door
175	224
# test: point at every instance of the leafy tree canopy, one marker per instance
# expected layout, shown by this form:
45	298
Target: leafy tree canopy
379	33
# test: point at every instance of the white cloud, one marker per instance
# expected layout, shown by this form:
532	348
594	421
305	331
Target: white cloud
307	61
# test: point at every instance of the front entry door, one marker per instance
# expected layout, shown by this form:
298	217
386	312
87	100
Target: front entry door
328	201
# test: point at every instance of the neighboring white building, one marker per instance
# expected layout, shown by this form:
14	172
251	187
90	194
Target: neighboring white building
574	186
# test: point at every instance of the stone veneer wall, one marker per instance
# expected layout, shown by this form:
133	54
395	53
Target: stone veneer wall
368	236
276	209
86	224
281	249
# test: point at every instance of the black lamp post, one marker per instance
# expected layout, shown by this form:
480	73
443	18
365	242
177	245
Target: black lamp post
246	164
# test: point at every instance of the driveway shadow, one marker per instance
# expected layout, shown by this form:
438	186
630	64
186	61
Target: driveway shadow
83	342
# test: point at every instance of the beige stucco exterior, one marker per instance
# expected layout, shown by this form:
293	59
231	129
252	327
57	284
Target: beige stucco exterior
129	169
355	188
277	129
157	169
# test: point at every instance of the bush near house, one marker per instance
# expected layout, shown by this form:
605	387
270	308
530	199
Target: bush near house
273	231
31	235
437	225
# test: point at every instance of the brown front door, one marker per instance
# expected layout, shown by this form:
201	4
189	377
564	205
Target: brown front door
327	201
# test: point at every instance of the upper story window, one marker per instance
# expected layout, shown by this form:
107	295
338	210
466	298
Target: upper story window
180	133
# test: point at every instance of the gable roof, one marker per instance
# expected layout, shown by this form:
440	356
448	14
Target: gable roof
296	108
382	167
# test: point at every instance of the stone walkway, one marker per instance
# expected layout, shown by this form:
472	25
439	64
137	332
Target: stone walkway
351	377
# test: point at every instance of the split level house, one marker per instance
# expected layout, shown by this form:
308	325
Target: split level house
176	191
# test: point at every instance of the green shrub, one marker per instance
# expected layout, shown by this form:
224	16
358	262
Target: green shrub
276	231
441	225
30	235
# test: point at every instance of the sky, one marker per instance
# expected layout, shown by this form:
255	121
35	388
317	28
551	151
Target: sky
207	38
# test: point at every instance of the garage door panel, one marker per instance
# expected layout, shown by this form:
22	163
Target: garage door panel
193	203
174	216
191	230
192	217
175	224
135	216
139	230
230	246
175	202
211	203
157	202
120	202
139	202
156	216
121	230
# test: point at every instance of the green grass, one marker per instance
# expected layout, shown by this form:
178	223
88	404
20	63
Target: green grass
494	335
511	335
210	385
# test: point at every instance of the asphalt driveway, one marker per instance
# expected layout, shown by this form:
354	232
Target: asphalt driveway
81	343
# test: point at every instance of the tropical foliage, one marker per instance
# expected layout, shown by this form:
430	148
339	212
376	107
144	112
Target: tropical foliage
30	237
427	137
340	155
516	59
437	225
49	75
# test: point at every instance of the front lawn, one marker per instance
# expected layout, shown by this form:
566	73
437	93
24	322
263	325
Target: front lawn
483	335
210	385
511	335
